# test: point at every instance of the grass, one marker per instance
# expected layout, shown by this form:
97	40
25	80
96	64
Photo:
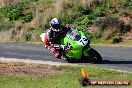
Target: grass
68	78
4	38
36	14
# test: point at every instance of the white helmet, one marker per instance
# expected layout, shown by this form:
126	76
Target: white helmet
55	24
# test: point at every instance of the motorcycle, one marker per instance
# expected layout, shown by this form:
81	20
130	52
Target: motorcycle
77	48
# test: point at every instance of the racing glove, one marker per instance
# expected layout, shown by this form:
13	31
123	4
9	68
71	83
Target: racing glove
66	47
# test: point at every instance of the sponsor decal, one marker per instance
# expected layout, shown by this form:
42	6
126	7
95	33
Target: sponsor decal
85	81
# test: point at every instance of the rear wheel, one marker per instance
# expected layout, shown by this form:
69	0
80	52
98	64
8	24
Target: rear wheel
95	57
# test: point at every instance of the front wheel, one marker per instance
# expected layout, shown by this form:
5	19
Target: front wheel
95	57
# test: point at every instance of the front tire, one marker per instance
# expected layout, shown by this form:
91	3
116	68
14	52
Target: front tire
95	57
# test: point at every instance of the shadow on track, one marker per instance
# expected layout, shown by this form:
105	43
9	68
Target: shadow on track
116	62
107	62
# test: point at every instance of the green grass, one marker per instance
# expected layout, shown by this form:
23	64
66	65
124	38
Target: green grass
26	19
68	79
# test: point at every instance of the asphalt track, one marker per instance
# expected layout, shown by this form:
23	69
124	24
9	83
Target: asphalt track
118	58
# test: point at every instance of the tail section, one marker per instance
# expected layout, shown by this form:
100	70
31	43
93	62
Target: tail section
42	36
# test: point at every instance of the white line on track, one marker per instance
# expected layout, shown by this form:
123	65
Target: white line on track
52	63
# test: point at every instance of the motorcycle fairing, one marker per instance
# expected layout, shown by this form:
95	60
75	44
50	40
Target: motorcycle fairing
81	40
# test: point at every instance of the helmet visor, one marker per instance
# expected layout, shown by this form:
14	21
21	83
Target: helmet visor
56	30
56	26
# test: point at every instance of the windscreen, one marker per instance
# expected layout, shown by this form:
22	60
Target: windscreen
73	35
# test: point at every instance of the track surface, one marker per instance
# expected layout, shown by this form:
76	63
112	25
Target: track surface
118	58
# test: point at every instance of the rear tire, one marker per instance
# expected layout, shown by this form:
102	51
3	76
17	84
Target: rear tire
95	57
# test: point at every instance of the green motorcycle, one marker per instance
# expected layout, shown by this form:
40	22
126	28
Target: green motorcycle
77	48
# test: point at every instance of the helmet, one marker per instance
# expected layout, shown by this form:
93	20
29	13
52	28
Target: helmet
55	24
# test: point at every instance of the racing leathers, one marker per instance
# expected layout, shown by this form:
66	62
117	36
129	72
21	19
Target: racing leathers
52	37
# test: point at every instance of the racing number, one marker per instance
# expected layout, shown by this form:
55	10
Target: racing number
83	40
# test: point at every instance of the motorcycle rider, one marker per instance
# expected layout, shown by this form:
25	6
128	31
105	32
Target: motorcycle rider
54	34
